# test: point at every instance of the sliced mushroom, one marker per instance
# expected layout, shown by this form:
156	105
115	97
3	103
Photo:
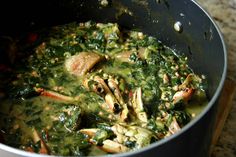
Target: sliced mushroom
117	93
111	101
137	105
115	89
107	145
174	126
100	87
103	84
113	147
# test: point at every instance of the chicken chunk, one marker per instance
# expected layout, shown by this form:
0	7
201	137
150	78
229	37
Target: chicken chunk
81	63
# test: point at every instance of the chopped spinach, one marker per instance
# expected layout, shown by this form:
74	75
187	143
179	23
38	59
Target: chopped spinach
121	86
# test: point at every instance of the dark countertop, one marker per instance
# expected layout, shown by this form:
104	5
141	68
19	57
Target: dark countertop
224	13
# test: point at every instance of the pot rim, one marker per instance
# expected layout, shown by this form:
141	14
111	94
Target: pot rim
158	143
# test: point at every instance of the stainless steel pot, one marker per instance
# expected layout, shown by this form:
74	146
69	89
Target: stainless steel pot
199	39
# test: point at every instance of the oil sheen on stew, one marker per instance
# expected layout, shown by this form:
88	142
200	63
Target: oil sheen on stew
93	89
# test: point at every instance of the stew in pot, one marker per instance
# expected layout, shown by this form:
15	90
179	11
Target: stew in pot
94	88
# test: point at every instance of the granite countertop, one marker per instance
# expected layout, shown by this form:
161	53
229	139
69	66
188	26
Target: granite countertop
224	13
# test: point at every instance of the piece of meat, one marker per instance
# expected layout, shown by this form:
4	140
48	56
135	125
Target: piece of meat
184	95
81	63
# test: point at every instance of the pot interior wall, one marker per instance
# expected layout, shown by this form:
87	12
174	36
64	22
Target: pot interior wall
199	39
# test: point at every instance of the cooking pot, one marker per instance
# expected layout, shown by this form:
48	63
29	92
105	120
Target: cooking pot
196	35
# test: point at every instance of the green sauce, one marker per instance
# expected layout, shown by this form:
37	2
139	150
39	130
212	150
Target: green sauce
125	88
